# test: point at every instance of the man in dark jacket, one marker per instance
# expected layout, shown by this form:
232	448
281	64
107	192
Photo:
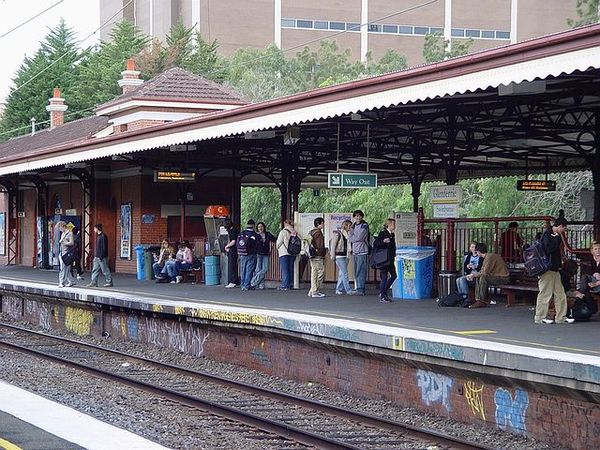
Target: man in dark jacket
549	283
100	258
246	249
317	267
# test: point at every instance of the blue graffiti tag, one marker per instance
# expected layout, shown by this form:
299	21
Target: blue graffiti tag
435	388
132	328
511	412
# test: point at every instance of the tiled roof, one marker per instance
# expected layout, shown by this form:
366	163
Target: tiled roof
180	84
75	131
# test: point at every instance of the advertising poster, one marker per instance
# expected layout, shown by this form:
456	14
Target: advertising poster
406	228
333	222
125	223
2	234
305	223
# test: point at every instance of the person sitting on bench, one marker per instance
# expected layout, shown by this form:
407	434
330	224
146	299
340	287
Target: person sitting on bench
493	271
164	255
183	261
471	263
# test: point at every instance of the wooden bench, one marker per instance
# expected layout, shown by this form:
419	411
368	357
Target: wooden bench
195	276
514	291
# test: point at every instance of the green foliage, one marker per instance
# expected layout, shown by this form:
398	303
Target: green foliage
588	12
435	48
262	205
56	63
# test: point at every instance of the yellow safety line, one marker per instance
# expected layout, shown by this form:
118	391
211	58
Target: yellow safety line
8	445
472	332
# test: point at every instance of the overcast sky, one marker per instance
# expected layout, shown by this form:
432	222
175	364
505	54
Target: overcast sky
81	15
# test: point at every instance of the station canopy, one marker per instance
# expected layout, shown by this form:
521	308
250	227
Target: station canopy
531	107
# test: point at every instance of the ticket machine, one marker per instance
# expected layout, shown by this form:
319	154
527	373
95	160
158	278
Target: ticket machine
215	217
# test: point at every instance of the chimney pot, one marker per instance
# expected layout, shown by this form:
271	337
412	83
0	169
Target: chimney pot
57	109
131	77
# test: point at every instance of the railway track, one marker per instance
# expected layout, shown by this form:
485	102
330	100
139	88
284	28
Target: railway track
291	418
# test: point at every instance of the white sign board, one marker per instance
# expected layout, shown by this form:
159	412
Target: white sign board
446	194
305	222
333	221
406	228
446	211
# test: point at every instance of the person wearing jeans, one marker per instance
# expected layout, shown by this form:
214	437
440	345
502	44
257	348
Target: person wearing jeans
100	258
359	236
263	253
471	264
386	241
247	255
286	261
339	253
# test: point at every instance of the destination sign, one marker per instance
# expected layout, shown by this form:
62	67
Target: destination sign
174	176
536	185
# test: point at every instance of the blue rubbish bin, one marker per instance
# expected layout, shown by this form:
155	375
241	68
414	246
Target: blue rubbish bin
139	257
414	266
212	270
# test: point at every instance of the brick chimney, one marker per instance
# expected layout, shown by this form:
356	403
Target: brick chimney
131	77
57	109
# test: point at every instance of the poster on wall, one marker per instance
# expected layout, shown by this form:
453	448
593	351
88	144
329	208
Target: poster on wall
125	223
2	234
333	222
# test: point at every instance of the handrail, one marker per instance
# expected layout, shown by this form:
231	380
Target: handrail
492	219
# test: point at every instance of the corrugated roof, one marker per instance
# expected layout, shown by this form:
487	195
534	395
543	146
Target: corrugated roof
179	84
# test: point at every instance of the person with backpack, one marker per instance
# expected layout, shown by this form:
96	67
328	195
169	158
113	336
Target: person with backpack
359	236
66	243
316	253
245	245
493	271
232	256
263	253
288	246
549	282
339	250
386	242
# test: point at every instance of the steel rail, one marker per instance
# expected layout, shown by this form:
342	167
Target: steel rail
437	438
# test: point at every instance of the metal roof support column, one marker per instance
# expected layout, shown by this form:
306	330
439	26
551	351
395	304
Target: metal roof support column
416	193
594	161
236	197
86	179
11	221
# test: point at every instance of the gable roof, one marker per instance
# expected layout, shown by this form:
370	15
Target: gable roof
178	84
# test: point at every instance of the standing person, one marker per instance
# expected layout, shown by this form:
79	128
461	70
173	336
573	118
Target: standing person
77	248
286	259
493	271
316	255
359	235
387	272
472	263
339	251
100	258
511	243
246	249
549	283
65	243
232	256
263	253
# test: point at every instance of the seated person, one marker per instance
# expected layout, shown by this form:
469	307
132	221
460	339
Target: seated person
163	256
511	243
472	263
493	271
183	260
590	274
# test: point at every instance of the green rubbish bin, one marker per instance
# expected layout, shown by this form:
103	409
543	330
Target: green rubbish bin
148	262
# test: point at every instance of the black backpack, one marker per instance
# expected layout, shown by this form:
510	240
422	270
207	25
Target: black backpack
583	309
452	299
536	259
294	245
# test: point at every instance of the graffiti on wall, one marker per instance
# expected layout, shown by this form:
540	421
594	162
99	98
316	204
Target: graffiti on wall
474	397
439	349
40	312
435	388
234	316
510	411
12	307
78	321
187	339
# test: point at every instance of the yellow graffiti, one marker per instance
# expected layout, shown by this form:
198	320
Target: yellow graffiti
474	396
78	321
397	343
157	308
236	317
180	310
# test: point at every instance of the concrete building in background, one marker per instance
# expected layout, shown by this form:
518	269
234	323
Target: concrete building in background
371	25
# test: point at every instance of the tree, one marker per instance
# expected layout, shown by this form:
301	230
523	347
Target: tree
54	64
204	60
436	49
588	12
102	66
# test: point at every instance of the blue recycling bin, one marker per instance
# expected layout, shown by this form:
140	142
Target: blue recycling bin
139	257
212	270
414	266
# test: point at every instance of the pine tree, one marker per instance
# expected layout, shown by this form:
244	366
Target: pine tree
54	64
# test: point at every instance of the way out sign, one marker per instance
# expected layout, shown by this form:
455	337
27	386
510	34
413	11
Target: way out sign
352	180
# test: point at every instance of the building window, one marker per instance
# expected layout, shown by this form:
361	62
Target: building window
374	28
304	23
433	30
402	29
351	26
320	25
472	33
488	34
337	25
502	34
291	23
458	32
390	29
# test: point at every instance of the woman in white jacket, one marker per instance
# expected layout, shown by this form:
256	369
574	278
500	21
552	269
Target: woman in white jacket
66	243
339	252
286	260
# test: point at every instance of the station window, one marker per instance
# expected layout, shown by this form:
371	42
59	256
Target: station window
320	25
435	30
488	34
304	23
374	28
291	23
403	29
422	30
390	29
473	33
502	34
337	26
458	32
351	26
